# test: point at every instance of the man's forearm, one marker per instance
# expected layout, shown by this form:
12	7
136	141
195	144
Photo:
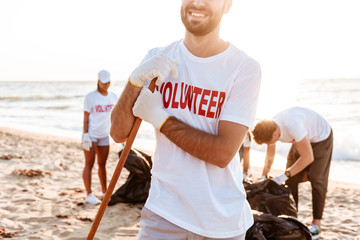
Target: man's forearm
267	166
122	118
301	163
216	149
305	159
269	159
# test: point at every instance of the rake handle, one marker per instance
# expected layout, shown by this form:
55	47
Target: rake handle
117	172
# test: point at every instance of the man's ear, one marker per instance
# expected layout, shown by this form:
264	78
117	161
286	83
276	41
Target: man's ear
227	7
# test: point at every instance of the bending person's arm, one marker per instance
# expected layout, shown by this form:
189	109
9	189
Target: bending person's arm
305	159
269	159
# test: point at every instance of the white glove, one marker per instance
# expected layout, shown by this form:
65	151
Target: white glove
149	107
260	179
280	179
158	66
247	175
86	141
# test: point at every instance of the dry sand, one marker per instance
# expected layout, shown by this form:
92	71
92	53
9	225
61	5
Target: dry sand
42	194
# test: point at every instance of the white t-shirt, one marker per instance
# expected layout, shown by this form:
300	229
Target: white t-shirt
296	123
189	192
99	107
247	140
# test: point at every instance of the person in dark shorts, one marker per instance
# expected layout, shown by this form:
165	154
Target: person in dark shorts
309	157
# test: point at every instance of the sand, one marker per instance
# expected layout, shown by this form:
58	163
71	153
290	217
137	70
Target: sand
42	194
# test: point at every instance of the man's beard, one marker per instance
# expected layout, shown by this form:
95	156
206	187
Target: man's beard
200	28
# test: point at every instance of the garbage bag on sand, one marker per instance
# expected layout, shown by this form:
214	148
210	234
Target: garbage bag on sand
269	227
137	185
269	197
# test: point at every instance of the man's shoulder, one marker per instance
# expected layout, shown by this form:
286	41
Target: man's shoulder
165	49
239	52
243	59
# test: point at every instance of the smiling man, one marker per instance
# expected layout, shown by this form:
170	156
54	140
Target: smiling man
201	113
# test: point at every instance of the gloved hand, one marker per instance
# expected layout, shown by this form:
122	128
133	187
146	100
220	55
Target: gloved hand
149	107
280	179
247	175
158	66
262	178
244	175
86	141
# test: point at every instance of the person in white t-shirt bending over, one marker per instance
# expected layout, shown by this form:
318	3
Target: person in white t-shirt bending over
244	154
201	113
309	157
95	139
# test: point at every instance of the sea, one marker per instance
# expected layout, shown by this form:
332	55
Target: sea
56	107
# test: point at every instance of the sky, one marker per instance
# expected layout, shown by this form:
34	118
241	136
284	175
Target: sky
73	39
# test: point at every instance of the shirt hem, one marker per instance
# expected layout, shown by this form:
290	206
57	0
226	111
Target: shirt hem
197	230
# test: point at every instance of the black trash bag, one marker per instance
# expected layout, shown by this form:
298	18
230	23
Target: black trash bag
269	227
137	185
269	197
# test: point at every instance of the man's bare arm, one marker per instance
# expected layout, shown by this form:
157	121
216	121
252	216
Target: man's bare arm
216	149
269	159
122	118
305	159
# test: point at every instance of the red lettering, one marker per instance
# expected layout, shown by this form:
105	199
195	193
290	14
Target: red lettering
167	94
212	103
185	95
109	107
220	103
174	104
209	104
196	92
203	101
162	88
190	96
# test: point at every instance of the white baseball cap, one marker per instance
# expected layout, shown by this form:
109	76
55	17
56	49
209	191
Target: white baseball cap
104	76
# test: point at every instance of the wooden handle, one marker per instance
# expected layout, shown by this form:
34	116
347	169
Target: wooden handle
117	172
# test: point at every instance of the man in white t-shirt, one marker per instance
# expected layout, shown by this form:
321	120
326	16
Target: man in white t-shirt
309	157
201	113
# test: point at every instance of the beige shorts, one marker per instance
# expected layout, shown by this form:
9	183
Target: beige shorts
154	227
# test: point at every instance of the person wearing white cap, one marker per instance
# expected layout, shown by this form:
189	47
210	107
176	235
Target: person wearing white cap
95	138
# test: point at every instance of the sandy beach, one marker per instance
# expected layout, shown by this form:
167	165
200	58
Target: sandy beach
42	194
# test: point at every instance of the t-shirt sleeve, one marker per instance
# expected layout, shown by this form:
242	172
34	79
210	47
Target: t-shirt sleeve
241	105
87	104
297	130
247	140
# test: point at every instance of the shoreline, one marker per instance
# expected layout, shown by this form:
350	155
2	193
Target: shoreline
342	167
52	205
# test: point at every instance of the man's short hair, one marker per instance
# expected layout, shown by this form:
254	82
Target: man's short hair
263	131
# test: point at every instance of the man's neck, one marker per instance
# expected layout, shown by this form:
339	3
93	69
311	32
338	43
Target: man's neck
205	46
